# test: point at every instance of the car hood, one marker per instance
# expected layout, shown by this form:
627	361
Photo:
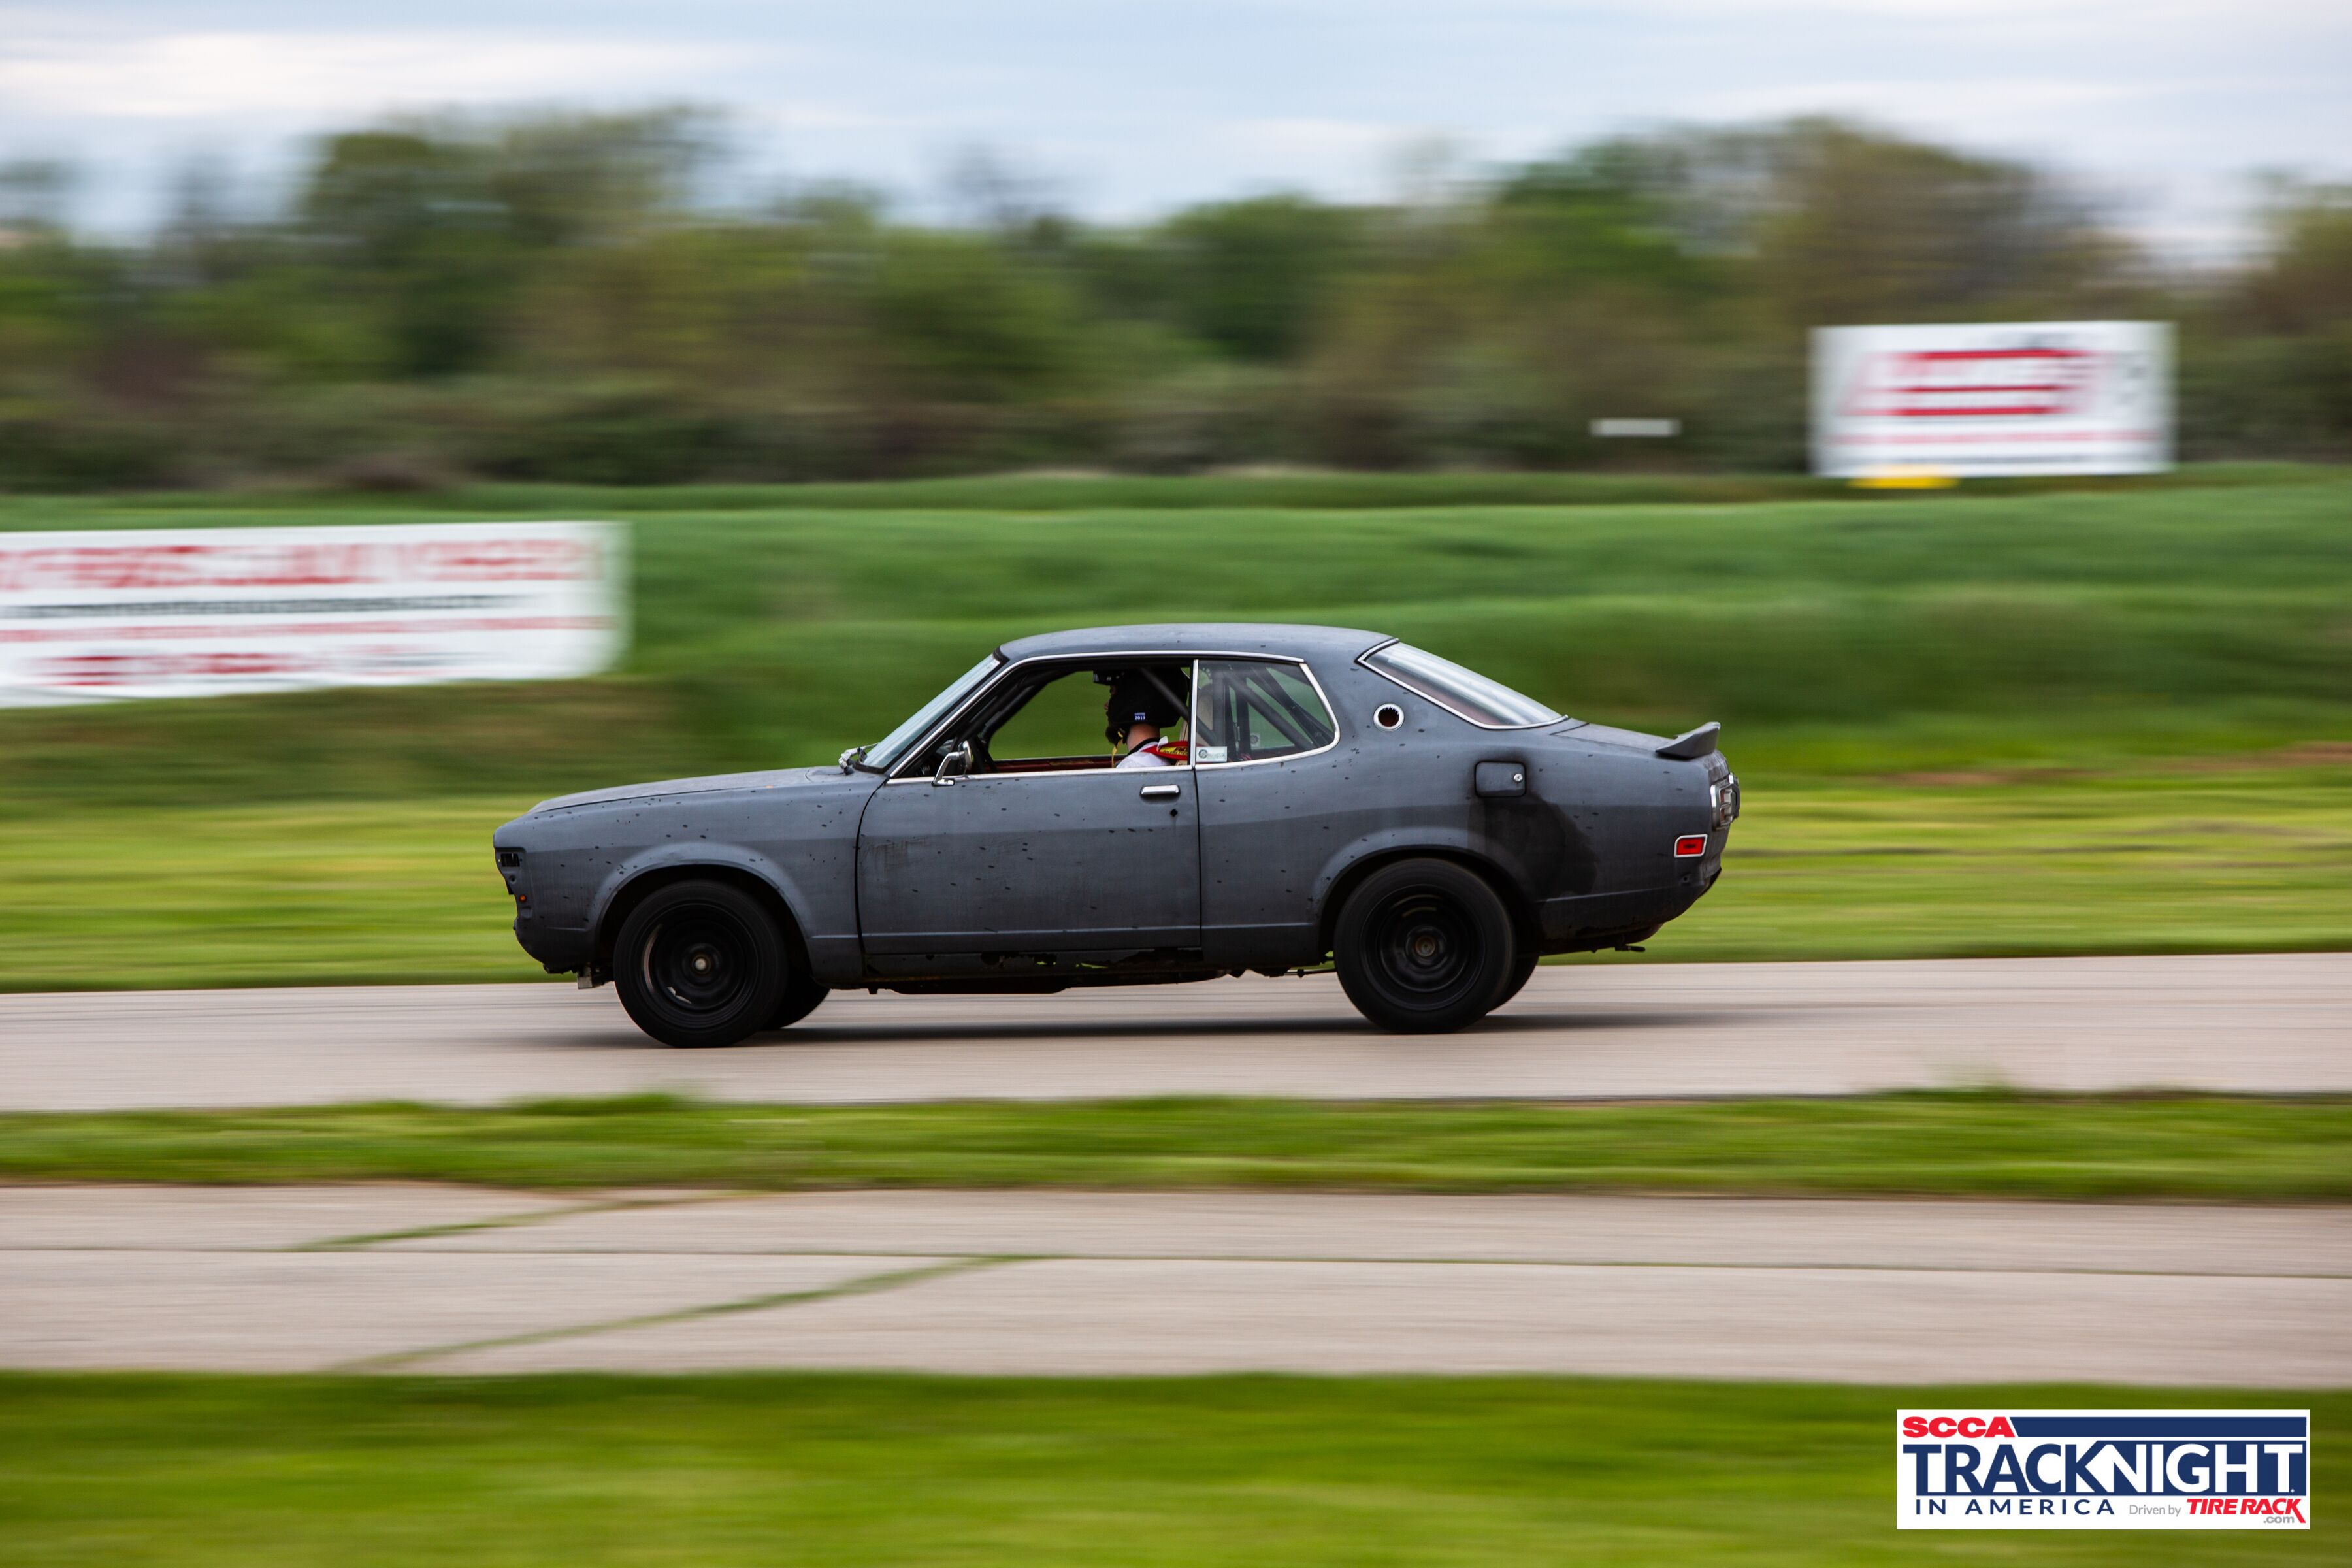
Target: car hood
709	784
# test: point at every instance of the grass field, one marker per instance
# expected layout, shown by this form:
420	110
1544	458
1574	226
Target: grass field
858	1469
2109	719
1854	636
2195	1147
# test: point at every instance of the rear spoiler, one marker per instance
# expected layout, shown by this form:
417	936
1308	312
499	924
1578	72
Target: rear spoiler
1692	745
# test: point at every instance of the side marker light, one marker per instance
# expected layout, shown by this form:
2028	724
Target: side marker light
1690	846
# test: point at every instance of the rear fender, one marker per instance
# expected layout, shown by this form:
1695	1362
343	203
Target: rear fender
1395	843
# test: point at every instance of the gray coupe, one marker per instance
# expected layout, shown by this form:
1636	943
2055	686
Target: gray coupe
1333	797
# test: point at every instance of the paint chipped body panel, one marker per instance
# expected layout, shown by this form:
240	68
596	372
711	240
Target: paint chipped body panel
1084	874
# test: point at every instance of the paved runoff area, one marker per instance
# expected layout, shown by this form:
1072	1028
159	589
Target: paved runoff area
2263	1023
428	1280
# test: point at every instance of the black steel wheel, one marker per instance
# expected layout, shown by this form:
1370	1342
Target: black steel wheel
1425	947
700	963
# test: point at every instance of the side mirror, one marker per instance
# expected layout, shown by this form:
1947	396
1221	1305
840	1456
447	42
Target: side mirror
955	762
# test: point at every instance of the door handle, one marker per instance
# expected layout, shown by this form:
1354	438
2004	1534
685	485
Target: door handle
1160	792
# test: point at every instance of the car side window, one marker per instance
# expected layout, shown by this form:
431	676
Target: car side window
1063	718
1250	710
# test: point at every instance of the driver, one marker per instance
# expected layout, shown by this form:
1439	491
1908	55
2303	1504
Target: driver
1140	713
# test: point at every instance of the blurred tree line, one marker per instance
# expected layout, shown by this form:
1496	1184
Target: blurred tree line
545	298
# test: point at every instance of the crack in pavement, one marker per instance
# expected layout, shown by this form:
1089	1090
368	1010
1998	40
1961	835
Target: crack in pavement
863	1285
503	1222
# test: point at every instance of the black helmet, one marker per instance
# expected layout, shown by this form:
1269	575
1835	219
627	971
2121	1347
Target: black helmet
1137	699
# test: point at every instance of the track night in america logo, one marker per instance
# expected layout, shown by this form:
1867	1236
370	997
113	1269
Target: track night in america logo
1993	1468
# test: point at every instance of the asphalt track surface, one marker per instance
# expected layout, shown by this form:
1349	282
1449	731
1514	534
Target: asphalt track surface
423	1279
2278	1024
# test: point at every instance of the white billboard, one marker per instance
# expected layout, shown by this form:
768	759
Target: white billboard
2026	397
209	612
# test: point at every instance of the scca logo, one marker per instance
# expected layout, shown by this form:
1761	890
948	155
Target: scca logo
1957	1426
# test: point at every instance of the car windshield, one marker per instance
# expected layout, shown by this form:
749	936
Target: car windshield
885	752
1465	693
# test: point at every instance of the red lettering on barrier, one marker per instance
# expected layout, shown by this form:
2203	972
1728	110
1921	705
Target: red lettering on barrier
304	564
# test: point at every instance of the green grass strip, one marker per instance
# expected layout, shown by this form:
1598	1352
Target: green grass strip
1988	1144
833	1470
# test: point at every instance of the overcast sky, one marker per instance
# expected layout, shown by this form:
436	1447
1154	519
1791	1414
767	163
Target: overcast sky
1132	106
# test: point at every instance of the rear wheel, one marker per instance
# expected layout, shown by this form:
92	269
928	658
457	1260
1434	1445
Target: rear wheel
1423	947
700	963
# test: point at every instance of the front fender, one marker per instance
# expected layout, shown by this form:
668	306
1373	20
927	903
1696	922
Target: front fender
700	854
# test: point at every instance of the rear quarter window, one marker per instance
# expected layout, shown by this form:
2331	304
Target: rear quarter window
1462	692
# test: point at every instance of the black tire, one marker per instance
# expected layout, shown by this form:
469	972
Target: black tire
1425	947
700	963
1519	977
800	999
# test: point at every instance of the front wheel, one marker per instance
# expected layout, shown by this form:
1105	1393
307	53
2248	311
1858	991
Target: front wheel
1425	947
700	963
801	995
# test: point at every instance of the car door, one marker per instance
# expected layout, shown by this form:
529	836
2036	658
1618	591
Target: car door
1275	805
1095	859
